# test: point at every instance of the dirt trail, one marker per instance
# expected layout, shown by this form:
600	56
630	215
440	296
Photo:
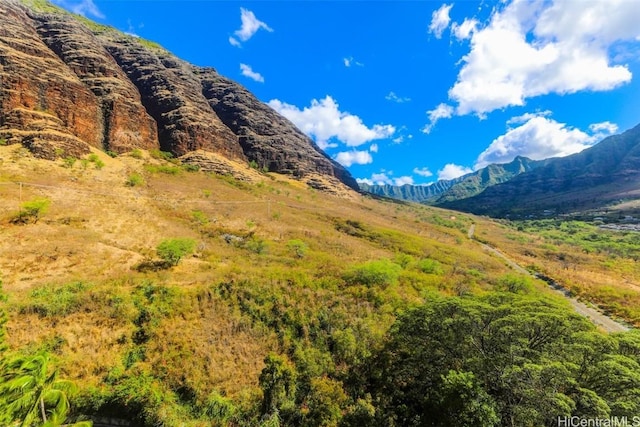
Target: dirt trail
596	317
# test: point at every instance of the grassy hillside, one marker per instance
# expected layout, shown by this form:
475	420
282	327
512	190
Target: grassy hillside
287	296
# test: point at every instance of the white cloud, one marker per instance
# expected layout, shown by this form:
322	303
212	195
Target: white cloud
465	30
607	127
83	7
348	158
250	26
373	148
248	72
442	111
395	98
383	178
324	121
403	180
451	171
348	62
440	20
539	137
536	47
423	172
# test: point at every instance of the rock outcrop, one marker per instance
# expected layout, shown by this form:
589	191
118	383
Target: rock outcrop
39	94
266	137
68	84
122	121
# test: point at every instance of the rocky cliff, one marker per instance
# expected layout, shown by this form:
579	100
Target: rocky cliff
68	84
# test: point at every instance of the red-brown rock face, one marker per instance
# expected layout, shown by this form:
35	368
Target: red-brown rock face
34	78
123	122
66	85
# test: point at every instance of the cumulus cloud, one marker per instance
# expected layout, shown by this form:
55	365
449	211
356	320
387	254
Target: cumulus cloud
537	137
83	7
348	158
250	26
531	48
423	172
384	178
373	148
391	96
248	72
442	111
451	171
440	20
324	121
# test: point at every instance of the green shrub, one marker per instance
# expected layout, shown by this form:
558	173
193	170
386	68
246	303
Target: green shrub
134	180
199	217
219	408
515	283
69	161
298	247
31	211
173	250
112	154
374	273
97	162
3	142
257	245
136	154
190	168
429	266
167	169
52	300
161	155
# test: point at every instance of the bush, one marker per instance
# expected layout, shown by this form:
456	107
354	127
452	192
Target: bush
374	273
68	162
173	250
298	247
134	180
429	266
93	158
31	211
136	154
161	155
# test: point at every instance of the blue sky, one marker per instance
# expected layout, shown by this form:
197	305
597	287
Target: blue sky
415	91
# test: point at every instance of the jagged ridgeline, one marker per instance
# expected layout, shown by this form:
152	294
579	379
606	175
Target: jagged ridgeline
69	84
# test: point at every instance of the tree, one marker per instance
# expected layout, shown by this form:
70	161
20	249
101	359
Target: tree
31	394
278	383
173	250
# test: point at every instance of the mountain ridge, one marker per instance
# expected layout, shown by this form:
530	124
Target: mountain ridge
594	178
462	187
70	84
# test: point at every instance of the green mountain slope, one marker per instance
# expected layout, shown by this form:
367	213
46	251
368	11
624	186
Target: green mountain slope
595	178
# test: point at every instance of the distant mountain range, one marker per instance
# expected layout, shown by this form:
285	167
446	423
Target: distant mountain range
597	177
447	190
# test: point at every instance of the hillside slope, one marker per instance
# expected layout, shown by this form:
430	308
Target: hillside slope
69	84
282	278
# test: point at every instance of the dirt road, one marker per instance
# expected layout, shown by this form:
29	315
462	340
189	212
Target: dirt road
595	316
